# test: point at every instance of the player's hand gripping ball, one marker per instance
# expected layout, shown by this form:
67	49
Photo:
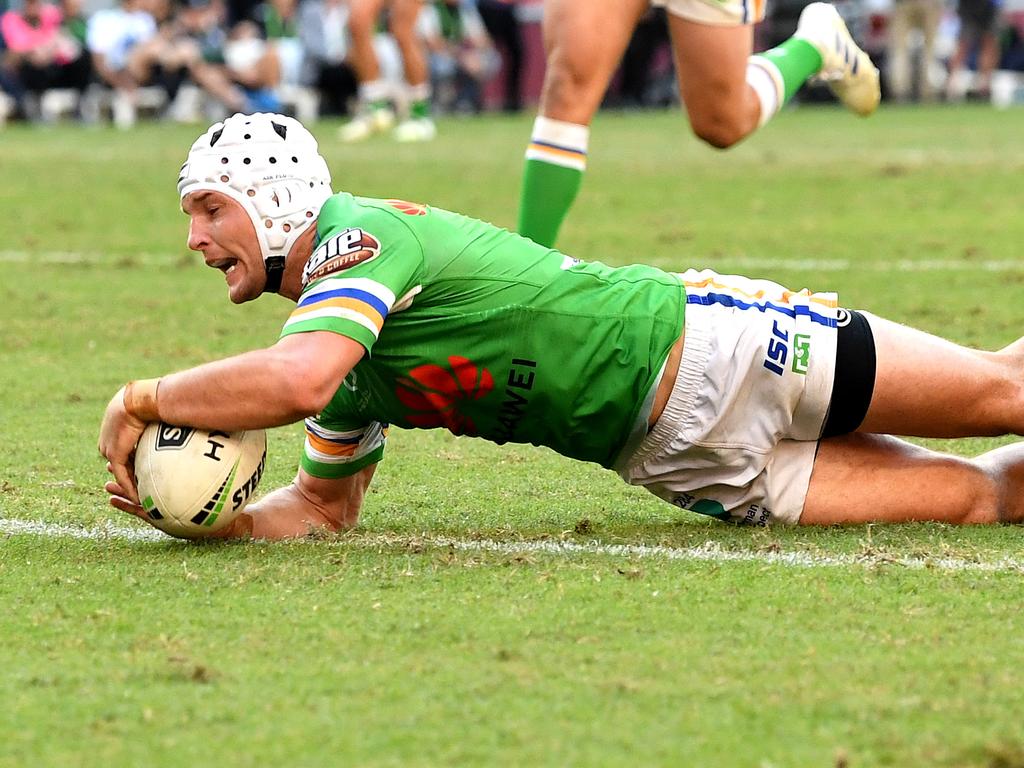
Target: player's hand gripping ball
193	483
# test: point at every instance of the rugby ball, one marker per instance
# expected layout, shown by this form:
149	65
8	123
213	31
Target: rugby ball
193	482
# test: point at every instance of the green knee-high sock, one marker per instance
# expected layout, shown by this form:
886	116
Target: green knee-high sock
548	193
796	60
555	162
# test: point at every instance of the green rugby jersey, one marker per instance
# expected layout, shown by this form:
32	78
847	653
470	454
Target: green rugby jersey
473	328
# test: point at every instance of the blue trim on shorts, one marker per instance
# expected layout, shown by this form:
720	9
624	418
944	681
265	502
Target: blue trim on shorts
726	300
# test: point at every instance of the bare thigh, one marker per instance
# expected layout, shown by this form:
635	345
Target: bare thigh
926	386
711	64
862	478
584	41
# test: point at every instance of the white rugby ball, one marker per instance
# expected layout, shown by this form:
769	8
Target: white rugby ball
192	482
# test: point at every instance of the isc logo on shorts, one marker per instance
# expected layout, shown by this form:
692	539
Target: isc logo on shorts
779	351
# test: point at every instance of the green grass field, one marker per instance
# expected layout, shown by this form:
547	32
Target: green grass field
440	632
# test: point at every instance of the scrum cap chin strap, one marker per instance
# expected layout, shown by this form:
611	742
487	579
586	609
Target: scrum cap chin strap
275	271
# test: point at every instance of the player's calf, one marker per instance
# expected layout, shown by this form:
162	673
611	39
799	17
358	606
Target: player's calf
864	478
985	502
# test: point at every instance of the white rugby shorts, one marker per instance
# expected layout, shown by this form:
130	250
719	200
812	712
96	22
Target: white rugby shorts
729	13
738	436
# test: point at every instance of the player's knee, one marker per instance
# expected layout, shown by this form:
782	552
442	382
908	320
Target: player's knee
569	88
1001	410
403	35
983	497
1010	410
719	128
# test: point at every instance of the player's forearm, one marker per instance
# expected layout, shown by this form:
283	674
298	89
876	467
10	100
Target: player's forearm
254	390
295	378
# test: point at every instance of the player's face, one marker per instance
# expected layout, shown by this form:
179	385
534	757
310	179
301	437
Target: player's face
221	229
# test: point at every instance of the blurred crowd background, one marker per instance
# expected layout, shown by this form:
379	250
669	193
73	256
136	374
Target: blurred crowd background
193	60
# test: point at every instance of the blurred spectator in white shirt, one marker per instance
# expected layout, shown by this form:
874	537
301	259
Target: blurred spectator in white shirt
113	37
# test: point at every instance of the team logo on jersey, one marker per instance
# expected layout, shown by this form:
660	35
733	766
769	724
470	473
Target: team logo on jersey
344	250
434	393
409	209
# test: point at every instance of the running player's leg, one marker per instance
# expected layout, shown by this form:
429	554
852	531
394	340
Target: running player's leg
846	69
863	478
418	126
584	41
712	66
729	93
374	112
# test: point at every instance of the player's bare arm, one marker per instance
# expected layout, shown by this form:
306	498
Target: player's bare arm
270	387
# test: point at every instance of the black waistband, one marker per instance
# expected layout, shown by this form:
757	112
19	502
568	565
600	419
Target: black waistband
854	375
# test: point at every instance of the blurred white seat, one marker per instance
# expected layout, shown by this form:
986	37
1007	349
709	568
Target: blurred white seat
57	103
1007	88
6	108
122	107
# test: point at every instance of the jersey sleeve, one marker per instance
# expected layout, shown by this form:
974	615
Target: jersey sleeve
333	450
366	261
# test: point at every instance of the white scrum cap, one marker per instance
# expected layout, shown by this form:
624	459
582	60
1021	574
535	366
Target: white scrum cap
271	165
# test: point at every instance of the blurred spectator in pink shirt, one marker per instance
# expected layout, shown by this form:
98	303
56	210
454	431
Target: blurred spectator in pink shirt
39	50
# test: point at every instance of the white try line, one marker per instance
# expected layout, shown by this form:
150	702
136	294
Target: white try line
710	551
796	264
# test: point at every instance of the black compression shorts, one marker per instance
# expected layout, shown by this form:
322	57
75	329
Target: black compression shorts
854	380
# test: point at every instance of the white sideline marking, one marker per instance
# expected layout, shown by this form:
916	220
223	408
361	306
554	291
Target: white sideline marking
708	552
741	262
59	531
70	258
899	265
